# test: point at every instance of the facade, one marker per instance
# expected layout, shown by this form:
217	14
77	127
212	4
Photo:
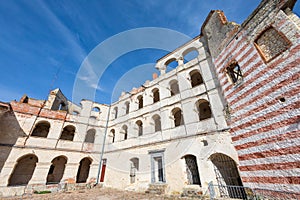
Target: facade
258	69
228	116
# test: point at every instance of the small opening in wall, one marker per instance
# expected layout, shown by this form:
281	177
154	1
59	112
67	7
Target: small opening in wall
281	99
236	37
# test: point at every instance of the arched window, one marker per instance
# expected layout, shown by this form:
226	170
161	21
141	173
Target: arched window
155	93
140	101
83	170
68	133
125	131
139	124
115	112
127	107
56	170
75	112
41	129
134	166
171	64
178	118
192	170
96	109
227	174
113	135
62	106
157	123
190	54
23	170
204	110
196	78
90	136
174	88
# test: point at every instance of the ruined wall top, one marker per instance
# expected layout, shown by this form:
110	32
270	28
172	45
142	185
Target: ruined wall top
218	31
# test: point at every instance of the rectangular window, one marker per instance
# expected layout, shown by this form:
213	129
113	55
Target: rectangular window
271	43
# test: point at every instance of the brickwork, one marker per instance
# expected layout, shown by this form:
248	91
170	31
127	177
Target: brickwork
264	107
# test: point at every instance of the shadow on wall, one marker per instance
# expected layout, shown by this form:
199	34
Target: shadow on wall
10	131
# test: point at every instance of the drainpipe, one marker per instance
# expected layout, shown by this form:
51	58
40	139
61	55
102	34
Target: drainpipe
102	151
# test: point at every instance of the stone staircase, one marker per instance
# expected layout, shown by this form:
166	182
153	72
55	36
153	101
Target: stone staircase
158	188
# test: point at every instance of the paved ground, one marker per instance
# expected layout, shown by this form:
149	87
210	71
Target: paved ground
95	194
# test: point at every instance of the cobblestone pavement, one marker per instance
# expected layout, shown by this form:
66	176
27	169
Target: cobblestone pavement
95	194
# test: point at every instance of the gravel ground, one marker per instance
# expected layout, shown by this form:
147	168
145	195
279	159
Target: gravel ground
95	194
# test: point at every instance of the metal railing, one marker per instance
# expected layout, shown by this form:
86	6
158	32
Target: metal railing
240	192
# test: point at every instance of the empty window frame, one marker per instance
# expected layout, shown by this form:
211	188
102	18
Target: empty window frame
155	93
96	109
90	136
140	101
139	124
41	129
125	132
113	135
127	107
204	110
157	123
115	112
190	54
271	43
196	78
174	88
177	116
134	166
68	133
234	73
192	170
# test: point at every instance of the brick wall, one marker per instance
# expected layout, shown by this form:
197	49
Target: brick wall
264	106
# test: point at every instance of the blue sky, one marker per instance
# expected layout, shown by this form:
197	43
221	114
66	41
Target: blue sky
43	43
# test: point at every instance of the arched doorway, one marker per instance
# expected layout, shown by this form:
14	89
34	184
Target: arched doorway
192	170
227	176
23	170
83	170
56	170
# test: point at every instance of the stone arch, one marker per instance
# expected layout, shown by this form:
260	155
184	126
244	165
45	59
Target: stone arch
190	54
56	170
127	104
195	78
83	170
23	170
177	116
115	112
140	101
204	110
157	122
75	112
90	136
96	109
171	63
174	87
192	171
134	167
113	135
68	133
227	174
41	129
155	94
125	132
139	124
